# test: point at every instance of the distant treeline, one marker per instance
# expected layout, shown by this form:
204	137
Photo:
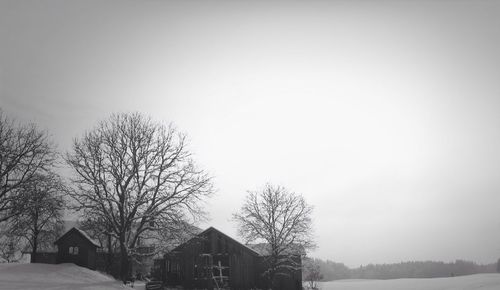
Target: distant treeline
428	269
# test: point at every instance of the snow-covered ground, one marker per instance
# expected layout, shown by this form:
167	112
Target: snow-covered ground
471	282
72	277
54	277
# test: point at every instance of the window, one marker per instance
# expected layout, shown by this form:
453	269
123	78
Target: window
73	250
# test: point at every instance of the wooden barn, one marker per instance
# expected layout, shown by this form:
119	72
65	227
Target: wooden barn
75	246
213	260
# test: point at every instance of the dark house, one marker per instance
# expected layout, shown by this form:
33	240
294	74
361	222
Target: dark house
75	246
213	260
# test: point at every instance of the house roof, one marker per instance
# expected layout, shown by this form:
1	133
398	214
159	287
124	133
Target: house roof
80	232
210	229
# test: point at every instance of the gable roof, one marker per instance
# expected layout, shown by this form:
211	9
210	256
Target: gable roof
228	237
212	229
81	233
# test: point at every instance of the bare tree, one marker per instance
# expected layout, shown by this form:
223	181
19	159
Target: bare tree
24	151
282	220
312	272
137	175
44	205
10	247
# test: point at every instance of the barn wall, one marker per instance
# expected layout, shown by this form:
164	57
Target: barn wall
185	266
180	266
86	251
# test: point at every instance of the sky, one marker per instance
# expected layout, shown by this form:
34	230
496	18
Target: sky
384	115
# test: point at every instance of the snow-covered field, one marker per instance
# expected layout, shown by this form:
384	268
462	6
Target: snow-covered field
54	277
471	282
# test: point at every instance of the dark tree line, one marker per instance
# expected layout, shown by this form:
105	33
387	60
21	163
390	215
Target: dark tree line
426	269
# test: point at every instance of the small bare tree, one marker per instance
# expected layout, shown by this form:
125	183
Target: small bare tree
42	216
24	151
137	175
282	220
312	272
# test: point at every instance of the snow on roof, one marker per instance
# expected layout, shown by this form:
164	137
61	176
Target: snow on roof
81	232
87	237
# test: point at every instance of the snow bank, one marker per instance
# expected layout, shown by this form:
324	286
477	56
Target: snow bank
471	282
54	277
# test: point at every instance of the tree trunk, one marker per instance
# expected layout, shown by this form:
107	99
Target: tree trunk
124	262
274	263
35	246
109	260
272	276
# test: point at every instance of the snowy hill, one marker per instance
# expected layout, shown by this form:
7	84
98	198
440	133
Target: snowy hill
62	276
471	282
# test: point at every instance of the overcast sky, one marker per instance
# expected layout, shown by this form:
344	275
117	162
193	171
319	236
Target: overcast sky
385	115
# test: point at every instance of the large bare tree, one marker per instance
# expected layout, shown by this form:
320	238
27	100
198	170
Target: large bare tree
281	221
24	151
137	175
44	205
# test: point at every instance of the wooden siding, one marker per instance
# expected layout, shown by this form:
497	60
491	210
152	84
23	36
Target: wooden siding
86	256
186	265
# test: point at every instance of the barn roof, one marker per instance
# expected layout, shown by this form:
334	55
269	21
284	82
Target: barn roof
245	246
210	229
82	233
